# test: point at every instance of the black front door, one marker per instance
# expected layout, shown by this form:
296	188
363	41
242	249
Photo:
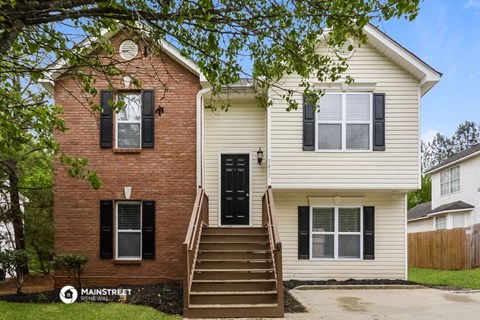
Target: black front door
235	191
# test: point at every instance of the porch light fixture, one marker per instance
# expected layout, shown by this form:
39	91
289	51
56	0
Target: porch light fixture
259	156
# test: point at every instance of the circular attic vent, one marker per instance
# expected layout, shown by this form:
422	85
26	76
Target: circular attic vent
128	50
343	51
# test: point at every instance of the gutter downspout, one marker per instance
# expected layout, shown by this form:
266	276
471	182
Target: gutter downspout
200	135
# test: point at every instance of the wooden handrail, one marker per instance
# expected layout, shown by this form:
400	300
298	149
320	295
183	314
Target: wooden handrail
198	220
268	218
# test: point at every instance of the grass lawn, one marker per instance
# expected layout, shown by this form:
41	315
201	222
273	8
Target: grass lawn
462	278
81	311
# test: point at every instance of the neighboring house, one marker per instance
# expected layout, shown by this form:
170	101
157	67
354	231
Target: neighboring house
455	194
338	179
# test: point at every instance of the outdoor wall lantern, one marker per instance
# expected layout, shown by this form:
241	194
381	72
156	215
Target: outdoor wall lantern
259	156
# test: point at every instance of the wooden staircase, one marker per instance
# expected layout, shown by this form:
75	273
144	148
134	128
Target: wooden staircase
234	274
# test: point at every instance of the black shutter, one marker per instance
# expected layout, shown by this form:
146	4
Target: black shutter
303	232
106	229
368	233
148	230
308	125
379	122
106	117
148	121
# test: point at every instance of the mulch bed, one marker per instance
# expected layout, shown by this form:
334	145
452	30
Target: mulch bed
291	284
168	297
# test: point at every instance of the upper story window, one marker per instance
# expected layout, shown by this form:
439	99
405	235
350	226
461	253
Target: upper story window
133	128
129	122
336	232
450	180
345	122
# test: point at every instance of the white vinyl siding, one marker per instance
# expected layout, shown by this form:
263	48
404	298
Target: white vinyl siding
129	230
395	168
129	122
469	189
389	262
450	180
421	225
242	129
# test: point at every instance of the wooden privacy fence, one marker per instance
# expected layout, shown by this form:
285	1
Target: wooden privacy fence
454	249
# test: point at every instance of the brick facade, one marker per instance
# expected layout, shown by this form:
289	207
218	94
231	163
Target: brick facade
165	173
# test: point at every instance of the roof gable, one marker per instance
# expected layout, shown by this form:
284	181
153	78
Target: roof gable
61	66
427	76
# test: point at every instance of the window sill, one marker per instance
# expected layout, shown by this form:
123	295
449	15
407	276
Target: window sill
127	262
127	150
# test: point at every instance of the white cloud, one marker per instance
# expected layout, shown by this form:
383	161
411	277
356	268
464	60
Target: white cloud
427	135
472	3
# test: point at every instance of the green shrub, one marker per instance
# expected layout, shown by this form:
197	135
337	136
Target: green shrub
14	262
73	263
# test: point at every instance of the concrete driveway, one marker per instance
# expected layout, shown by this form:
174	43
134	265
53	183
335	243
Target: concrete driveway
380	304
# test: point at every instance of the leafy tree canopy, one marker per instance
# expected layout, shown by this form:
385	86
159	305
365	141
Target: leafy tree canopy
442	147
281	37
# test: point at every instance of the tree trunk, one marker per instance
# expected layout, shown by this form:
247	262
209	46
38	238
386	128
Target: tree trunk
16	213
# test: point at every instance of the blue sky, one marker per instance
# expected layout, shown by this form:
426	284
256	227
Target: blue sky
446	35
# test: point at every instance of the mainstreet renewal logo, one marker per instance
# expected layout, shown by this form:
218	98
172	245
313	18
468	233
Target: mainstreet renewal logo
69	294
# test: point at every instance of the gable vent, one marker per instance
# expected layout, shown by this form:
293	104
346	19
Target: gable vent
128	50
343	51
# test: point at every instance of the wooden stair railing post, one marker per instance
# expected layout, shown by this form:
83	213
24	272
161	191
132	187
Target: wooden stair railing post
268	218
190	245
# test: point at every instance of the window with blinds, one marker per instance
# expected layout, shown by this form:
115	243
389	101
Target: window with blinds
344	121
336	233
129	230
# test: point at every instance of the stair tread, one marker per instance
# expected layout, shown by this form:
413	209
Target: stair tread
235	260
233	251
234	270
234	281
239	305
250	241
231	293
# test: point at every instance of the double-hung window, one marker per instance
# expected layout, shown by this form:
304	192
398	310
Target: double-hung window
129	121
129	230
345	122
450	180
336	232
